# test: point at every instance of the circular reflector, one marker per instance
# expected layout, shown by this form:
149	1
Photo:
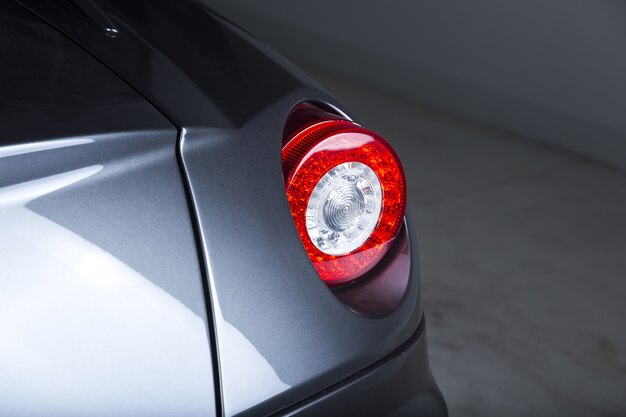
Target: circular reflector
344	208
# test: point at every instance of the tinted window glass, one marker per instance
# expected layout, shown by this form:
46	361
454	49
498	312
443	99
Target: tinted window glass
40	68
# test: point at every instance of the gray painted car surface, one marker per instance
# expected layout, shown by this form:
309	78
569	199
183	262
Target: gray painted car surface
149	262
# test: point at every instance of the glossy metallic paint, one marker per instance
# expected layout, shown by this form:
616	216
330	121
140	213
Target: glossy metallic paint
262	282
278	335
398	385
101	309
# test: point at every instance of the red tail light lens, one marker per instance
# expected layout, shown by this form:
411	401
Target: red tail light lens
347	193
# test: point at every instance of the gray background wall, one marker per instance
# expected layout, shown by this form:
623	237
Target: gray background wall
548	70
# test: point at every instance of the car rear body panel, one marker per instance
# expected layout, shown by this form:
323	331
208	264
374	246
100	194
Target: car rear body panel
266	294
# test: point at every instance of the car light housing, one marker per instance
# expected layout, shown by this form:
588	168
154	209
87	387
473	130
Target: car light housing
347	193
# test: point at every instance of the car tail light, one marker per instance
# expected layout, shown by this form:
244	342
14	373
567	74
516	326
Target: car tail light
347	193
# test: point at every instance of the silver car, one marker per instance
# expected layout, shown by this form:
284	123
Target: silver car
191	226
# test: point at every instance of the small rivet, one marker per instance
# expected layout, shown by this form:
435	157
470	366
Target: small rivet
111	32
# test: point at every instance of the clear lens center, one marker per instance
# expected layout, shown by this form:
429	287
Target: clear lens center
344	208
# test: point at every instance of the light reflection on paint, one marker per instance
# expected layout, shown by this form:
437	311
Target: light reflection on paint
82	332
25	148
20	194
249	378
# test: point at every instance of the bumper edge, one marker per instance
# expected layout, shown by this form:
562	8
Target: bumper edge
400	384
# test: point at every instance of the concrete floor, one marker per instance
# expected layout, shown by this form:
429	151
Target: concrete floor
523	259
